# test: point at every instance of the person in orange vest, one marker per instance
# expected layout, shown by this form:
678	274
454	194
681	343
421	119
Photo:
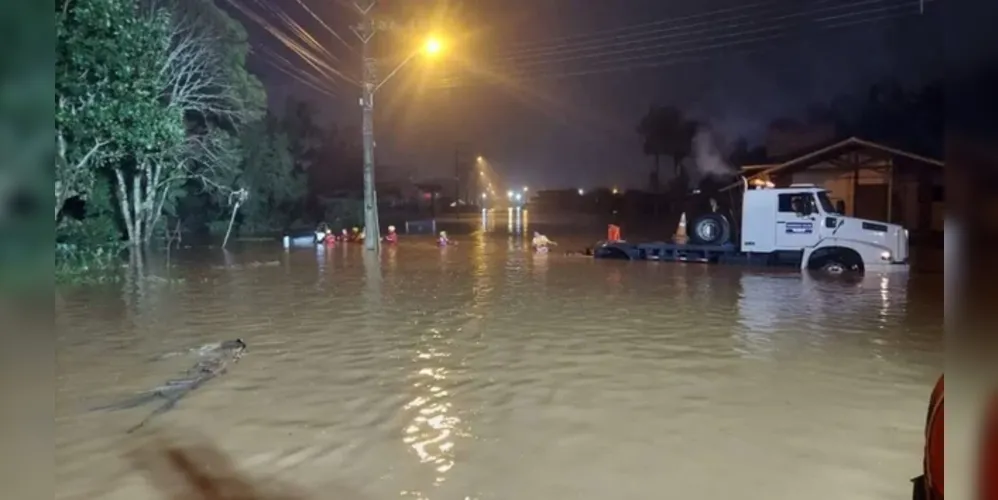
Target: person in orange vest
929	486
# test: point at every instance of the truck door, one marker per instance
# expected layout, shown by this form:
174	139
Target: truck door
796	221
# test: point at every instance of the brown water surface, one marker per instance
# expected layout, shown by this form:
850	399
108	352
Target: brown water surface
484	371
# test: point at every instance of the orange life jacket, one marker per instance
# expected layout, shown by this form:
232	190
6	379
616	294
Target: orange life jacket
934	439
613	233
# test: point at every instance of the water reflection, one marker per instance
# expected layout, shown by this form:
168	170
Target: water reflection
433	425
518	221
487	370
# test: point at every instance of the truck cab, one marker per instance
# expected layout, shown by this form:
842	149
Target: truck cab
800	221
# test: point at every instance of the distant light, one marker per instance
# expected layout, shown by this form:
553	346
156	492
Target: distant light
519	196
433	46
481	173
480	159
616	191
484	196
509	193
525	189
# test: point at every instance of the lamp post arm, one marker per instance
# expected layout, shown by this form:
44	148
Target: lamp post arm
396	70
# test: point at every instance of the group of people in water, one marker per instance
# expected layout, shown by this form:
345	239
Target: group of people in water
324	235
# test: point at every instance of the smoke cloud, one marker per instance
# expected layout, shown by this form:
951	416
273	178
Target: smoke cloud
708	159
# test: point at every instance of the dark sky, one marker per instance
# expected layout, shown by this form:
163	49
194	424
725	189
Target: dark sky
564	114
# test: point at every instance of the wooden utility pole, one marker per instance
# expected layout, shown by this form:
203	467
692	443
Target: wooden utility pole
365	31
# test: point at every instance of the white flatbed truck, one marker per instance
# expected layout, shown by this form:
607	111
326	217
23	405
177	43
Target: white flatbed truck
791	226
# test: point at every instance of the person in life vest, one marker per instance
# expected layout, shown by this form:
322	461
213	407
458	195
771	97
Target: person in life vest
344	236
613	233
392	237
541	243
929	486
443	240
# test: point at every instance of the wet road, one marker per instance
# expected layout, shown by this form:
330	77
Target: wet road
483	371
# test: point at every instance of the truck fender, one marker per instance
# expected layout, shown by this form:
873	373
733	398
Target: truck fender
870	253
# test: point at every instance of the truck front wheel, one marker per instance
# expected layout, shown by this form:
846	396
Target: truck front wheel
837	263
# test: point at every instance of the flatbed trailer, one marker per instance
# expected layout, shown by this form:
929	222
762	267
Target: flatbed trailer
708	254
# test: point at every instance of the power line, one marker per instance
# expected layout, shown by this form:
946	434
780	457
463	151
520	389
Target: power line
294	72
297	29
324	25
647	24
667	58
297	78
311	59
620	43
694	44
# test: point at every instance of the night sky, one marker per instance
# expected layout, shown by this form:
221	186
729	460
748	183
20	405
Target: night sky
564	113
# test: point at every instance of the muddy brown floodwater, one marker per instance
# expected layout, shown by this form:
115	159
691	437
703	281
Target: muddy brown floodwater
483	371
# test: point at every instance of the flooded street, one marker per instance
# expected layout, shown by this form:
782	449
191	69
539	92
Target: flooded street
484	371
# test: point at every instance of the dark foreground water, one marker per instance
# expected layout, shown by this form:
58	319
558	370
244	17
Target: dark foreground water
484	371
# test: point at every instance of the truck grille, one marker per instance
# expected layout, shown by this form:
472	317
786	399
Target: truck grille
902	246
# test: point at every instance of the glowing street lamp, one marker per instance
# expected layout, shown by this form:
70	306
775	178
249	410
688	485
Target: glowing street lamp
484	196
582	191
480	159
509	193
433	46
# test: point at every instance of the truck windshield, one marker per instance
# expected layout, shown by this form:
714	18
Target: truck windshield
825	202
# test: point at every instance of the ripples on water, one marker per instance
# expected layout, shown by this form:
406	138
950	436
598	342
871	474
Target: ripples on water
483	371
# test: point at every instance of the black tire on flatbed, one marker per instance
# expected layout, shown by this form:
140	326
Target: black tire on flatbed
709	229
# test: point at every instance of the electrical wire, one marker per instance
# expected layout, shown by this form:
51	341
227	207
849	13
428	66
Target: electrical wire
295	72
667	58
613	48
324	25
694	44
602	33
297	29
307	56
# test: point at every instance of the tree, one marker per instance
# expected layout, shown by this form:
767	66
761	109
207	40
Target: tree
107	81
195	82
666	132
268	173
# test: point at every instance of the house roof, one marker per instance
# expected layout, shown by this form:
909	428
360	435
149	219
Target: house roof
829	152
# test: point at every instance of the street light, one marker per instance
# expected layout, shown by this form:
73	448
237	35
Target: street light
525	189
509	193
582	191
431	47
480	159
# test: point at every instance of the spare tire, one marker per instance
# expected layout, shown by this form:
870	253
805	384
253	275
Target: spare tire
709	229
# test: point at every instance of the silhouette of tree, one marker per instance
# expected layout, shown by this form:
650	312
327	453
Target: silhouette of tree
666	132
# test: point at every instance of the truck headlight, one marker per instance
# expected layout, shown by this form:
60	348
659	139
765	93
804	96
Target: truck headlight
885	256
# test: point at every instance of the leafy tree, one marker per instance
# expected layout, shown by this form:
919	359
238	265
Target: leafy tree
666	132
107	84
268	172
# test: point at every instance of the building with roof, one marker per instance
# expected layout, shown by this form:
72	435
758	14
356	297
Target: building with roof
867	180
